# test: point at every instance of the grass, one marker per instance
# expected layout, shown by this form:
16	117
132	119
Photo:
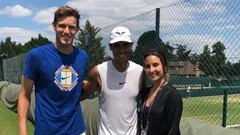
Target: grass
9	122
207	109
210	109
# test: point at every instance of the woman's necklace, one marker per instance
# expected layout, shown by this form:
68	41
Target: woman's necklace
153	93
144	129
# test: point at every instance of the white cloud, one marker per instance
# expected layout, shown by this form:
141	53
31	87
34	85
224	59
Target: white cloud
21	35
45	16
211	9
227	27
16	11
49	28
104	12
113	11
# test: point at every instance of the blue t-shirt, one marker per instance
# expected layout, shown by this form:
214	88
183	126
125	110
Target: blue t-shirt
58	83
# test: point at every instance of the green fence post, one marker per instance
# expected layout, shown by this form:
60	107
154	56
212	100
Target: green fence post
225	100
157	20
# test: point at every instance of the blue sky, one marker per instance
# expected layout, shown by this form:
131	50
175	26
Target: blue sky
195	23
204	22
23	19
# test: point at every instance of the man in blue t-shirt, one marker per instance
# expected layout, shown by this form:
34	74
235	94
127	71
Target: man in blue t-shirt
57	71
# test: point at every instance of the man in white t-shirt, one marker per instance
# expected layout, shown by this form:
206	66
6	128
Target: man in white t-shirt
118	82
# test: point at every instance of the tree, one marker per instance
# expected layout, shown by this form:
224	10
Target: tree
35	42
205	60
8	47
19	49
214	63
88	40
148	41
182	54
235	68
1	48
11	49
194	58
230	70
219	57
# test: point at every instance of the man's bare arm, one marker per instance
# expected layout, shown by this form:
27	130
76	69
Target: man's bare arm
92	84
24	103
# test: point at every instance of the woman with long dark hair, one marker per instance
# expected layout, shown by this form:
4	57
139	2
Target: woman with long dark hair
160	106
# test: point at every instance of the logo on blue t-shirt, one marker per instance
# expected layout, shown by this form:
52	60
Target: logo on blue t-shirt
66	78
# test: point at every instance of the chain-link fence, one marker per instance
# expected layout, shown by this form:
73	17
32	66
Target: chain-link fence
12	68
201	41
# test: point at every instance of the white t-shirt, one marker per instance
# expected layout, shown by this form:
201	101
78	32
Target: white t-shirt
117	99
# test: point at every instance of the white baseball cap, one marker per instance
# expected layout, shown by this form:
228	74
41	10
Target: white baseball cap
120	33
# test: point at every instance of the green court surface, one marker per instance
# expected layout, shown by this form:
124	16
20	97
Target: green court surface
210	109
9	122
207	109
